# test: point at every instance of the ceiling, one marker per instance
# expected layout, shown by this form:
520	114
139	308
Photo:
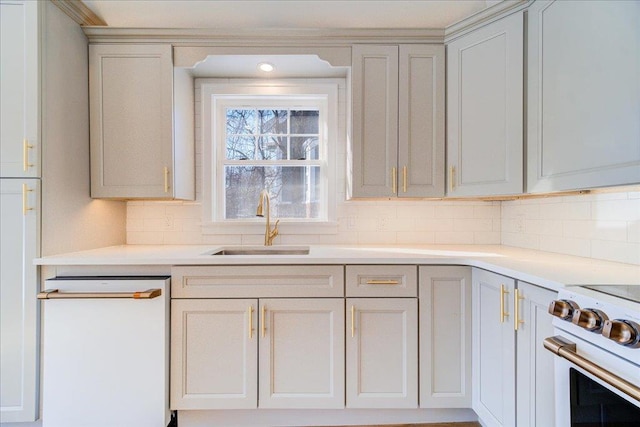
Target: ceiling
223	14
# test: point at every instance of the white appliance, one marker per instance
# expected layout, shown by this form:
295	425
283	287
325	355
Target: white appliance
106	352
597	371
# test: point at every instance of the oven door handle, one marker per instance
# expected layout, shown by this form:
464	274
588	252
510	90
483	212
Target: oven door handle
566	349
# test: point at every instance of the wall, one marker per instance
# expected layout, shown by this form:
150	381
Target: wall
71	220
359	222
601	225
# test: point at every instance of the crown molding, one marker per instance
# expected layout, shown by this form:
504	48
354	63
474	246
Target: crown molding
80	13
262	36
495	12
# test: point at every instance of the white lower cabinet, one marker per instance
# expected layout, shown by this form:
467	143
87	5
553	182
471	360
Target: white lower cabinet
214	354
445	336
215	347
509	324
382	353
19	344
301	363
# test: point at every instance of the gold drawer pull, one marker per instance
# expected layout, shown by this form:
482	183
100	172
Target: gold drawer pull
383	282
394	180
250	321
56	294
25	154
404	179
166	179
25	201
516	310
264	326
503	313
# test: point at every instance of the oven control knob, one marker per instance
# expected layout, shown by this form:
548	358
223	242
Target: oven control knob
589	319
623	332
562	308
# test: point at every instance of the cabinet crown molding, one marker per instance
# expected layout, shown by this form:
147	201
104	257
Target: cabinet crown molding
262	36
80	13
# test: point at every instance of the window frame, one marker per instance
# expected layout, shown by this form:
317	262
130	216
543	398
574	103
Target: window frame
216	94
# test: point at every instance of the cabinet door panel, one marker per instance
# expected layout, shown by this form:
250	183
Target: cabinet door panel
484	110
535	378
19	86
493	349
214	351
131	97
375	119
302	353
18	289
445	337
584	95
421	121
382	353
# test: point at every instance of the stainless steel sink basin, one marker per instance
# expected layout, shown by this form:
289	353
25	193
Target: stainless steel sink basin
262	250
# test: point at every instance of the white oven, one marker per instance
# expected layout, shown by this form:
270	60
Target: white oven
597	368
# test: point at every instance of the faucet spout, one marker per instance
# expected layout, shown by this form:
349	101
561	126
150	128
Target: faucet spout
269	234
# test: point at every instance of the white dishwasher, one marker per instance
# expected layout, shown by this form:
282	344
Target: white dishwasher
106	352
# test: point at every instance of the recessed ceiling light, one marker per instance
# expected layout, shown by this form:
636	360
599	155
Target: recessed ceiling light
266	67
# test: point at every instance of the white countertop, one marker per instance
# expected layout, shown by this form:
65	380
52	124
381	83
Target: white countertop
553	271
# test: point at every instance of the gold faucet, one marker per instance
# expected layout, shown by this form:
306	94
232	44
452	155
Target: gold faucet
269	234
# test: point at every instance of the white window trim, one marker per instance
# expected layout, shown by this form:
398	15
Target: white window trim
212	88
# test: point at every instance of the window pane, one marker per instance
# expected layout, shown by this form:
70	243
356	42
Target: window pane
304	122
272	148
272	121
241	121
294	191
304	148
241	147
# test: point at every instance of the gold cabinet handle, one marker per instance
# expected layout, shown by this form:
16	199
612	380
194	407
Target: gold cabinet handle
383	282
503	313
353	321
25	204
452	177
250	321
56	294
404	179
394	180
516	310
166	179
263	318
25	154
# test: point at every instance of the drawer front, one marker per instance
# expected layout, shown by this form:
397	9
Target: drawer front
382	281
257	281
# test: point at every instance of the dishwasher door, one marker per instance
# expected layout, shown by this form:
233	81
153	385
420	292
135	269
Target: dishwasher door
106	352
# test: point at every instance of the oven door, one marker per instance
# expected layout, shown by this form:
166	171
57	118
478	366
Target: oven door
594	388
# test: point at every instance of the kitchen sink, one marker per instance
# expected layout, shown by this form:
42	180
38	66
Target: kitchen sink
262	250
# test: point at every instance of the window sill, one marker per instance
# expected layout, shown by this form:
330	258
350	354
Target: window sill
289	228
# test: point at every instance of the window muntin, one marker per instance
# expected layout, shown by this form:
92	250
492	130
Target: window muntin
274	143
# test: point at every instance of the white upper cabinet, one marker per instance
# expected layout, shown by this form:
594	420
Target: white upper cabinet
398	121
583	94
19	88
485	109
137	151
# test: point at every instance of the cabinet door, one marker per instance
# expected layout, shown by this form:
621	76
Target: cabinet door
445	337
382	353
535	377
19	214
131	121
421	121
583	94
301	353
214	350
19	86
484	110
375	120
493	349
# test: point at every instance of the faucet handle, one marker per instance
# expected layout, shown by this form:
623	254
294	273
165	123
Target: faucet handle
273	233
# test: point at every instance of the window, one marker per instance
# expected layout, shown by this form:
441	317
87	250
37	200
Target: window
278	137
